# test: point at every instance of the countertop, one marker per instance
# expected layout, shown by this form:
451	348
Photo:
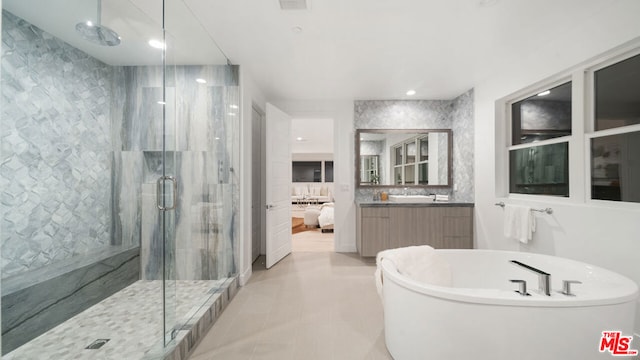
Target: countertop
371	203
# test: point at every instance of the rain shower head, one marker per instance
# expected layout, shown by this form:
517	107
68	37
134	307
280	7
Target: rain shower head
97	33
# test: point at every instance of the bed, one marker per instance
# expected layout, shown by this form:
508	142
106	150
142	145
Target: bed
325	219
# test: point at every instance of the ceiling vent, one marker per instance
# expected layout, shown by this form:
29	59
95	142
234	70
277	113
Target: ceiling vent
293	4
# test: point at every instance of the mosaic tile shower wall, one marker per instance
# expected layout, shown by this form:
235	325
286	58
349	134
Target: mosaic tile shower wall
454	114
55	171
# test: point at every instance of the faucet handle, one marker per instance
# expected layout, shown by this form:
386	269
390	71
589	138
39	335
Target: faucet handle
566	287
522	287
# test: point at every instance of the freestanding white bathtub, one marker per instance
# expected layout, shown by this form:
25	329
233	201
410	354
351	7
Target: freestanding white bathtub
481	316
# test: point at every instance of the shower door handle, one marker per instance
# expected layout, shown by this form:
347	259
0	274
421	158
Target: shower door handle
159	192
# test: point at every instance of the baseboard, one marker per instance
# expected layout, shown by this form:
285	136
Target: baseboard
345	249
245	276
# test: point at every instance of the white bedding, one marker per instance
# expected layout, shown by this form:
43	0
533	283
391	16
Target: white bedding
326	215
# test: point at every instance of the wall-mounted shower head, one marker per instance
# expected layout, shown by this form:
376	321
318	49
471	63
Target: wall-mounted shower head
97	33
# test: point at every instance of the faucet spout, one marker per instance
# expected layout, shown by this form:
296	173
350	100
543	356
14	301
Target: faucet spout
544	278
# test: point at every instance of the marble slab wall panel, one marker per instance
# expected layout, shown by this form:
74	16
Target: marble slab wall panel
150	235
454	114
201	224
56	156
127	179
32	310
206	138
142	118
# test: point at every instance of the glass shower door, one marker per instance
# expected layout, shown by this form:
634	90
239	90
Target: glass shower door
168	187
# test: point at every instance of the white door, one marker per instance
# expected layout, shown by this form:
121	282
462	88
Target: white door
278	163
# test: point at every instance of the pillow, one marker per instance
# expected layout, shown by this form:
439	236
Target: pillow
315	191
324	191
293	191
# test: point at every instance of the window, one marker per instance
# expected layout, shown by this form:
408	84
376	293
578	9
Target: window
535	167
306	171
545	115
540	170
615	167
546	138
312	171
328	171
615	158
617	94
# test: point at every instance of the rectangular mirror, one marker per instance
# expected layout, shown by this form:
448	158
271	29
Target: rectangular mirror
403	158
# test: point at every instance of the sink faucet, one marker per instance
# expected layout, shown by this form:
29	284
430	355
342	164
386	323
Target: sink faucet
544	279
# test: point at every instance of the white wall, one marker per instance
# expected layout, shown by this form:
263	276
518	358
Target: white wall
604	235
250	95
343	164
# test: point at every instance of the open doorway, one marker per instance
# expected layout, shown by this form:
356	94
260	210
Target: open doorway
312	185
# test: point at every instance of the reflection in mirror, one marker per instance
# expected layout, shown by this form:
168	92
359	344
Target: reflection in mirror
543	116
406	158
369	169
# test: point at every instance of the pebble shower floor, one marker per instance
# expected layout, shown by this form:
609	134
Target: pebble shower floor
131	319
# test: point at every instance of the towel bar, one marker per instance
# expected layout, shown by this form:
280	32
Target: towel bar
547	210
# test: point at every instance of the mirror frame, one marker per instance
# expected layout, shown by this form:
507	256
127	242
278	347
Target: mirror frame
449	133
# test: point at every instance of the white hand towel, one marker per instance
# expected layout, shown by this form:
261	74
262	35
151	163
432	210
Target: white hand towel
519	223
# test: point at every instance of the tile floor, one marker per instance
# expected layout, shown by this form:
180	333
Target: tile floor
131	318
312	240
311	305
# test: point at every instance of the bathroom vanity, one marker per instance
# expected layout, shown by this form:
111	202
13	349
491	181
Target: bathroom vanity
385	225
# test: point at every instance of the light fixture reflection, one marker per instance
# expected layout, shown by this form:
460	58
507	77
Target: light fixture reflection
411	92
157	44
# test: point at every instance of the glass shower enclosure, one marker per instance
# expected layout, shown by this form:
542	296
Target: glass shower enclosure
118	195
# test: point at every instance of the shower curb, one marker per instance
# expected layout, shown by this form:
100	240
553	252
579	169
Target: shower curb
192	331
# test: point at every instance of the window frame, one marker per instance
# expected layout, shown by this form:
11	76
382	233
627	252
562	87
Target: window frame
403	145
582	130
590	125
525	94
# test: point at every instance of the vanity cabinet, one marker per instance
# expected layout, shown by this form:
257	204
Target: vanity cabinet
387	226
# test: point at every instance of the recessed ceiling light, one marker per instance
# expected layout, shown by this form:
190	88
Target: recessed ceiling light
161	102
201	81
299	138
411	92
154	43
233	106
217	138
544	93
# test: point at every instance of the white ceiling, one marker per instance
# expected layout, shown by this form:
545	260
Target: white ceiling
378	49
347	49
316	134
